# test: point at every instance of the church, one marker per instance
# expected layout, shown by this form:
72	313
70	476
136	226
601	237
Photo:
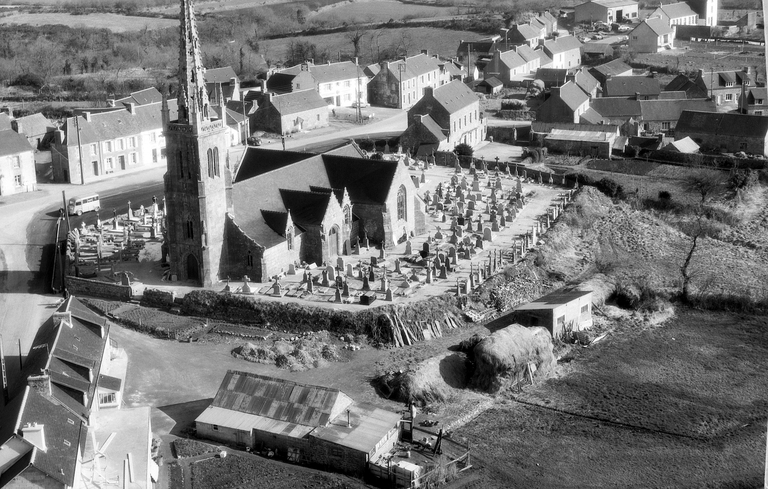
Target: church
270	209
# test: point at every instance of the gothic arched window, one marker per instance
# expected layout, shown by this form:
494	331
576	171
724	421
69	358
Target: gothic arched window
401	203
347	214
216	161
210	163
250	258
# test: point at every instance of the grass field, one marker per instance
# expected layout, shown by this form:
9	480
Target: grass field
436	41
113	22
681	405
380	11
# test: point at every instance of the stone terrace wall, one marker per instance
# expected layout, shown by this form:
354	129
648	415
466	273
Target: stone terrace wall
96	288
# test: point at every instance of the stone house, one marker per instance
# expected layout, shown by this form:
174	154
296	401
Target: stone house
505	66
559	312
754	101
632	87
456	110
143	97
110	143
400	84
725	87
613	68
565	51
35	127
597	144
290	112
17	164
565	104
302	423
725	132
679	13
683	84
294	79
661	116
424	136
222	85
339	84
608	11
525	34
651	36
469	52
72	395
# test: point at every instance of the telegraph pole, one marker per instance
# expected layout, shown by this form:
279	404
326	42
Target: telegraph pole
79	151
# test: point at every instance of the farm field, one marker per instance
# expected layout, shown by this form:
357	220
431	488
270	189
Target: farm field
380	11
681	405
436	41
113	22
707	56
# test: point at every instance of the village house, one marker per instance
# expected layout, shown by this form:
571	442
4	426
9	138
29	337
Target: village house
451	69
754	101
469	52
17	164
238	116
597	144
222	85
622	112
565	104
489	86
633	87
596	50
6	116
506	67
684	85
294	79
302	423
339	84
73	394
679	13
707	10
290	112
725	87
35	127
565	52
110	143
143	97
651	36
525	34
725	132
608	11
559	312
456	110
685	145
611	69
661	116
400	84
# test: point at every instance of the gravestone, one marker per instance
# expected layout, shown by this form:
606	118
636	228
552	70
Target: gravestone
429	275
310	284
408	247
389	295
331	272
519	186
438	235
498	184
459	232
382	254
495	227
479	224
425	249
371	275
350	270
445	218
291	269
487	234
245	289
277	289
443	272
423	178
337	296
345	290
324	281
366	286
471	205
476	185
502	220
479	243
469	225
374	261
340	264
384	284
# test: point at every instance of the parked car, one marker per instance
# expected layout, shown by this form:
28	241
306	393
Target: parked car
362	105
253	141
598	37
624	28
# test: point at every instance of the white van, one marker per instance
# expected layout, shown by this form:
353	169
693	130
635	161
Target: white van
84	204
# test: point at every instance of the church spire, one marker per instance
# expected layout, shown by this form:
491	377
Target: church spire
192	95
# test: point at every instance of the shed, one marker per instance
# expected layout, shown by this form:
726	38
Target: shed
491	86
559	312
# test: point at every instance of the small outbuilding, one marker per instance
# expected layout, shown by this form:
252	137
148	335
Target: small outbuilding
301	423
558	312
490	86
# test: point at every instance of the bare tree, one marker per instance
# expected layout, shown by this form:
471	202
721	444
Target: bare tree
355	35
704	185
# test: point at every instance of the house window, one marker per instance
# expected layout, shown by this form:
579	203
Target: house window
585	309
153	137
16	159
93	150
401	203
215	427
743	146
289	238
665	126
121	161
134	159
107	399
120	144
759	101
758	112
154	155
108	146
336	452
190	230
318	117
17	180
132	142
110	164
729	96
346	83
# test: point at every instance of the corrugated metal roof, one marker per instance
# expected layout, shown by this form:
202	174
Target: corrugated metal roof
280	400
586	136
237	420
369	425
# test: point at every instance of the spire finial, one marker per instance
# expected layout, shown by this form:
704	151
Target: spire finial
192	97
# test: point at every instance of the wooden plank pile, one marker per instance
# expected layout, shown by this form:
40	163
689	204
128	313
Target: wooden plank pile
406	333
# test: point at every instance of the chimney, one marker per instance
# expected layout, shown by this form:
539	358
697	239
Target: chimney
425	51
87	116
747	70
58	136
263	86
60	318
269	96
637	95
40	383
131	108
349	425
17	126
34	434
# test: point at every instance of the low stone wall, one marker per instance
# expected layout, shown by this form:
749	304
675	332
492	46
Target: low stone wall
158	298
96	288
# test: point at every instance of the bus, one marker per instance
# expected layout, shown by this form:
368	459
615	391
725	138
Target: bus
84	204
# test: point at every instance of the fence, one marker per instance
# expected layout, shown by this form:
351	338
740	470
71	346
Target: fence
443	473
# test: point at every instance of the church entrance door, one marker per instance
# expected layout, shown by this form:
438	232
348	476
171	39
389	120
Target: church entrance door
193	268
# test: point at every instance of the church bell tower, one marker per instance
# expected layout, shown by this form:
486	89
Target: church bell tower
198	181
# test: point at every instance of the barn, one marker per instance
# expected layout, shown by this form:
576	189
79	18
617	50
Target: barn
558	312
306	424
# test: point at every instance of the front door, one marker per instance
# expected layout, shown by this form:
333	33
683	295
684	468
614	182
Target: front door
619	15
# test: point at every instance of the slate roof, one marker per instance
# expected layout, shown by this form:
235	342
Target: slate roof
492	82
682	83
586	81
479	46
573	96
611	3
527	32
454	96
278	399
433	127
13	143
562	44
545	60
417	65
345	70
257	161
719	79
597	48
658	26
34	125
591	116
758	93
676	10
628	86
695	31
115	124
552	75
511	59
665	95
614	67
307	208
367	181
298	102
526	52
276	220
616	107
723	124
143	97
219	75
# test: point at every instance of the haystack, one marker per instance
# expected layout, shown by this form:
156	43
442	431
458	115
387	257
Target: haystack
433	380
511	355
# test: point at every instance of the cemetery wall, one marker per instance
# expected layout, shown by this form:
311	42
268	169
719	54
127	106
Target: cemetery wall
96	288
